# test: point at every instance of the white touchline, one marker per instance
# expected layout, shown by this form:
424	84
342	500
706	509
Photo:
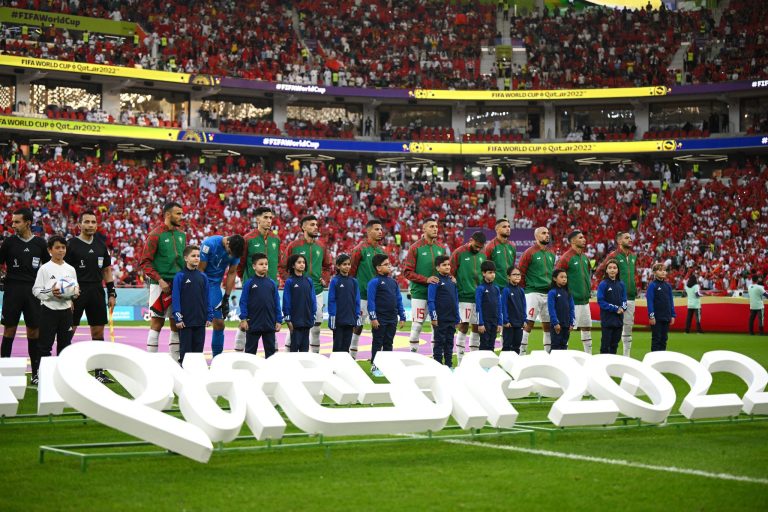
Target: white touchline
615	462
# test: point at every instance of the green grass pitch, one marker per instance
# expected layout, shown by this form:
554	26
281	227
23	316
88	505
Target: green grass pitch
697	467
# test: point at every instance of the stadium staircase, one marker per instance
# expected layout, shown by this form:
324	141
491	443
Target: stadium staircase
678	60
504	208
310	44
718	11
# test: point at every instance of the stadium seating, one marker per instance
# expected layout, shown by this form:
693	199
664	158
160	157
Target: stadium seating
676	134
505	136
713	226
427	44
602	47
332	130
255	126
414	44
419	133
735	50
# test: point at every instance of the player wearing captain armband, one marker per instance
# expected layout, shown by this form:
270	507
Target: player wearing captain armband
161	260
55	286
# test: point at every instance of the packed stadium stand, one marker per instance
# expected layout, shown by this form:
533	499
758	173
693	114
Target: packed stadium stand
715	226
225	194
402	44
602	47
410	44
426	44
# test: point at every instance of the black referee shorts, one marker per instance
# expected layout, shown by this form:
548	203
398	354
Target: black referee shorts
18	299
93	302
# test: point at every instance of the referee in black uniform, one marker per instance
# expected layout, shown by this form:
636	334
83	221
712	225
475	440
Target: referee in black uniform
22	254
93	264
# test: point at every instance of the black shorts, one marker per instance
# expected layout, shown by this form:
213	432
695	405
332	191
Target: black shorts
18	299
92	301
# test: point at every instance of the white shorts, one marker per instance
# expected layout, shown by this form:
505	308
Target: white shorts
629	318
364	311
468	313
537	307
583	316
418	310
320	304
154	293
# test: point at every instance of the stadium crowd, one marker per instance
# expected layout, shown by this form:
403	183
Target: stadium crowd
602	47
221	197
405	44
714	227
736	49
426	44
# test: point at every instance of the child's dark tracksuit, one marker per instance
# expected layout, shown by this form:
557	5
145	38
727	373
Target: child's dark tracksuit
562	311
443	307
343	310
661	306
260	306
299	308
189	300
513	308
611	295
385	304
489	313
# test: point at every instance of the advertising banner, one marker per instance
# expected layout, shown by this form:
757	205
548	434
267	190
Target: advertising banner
60	20
294	144
719	88
82	128
548	148
101	69
726	143
540	95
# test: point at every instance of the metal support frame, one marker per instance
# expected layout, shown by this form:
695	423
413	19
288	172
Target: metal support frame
87	452
82	451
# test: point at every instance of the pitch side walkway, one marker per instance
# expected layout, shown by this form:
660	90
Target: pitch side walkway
137	337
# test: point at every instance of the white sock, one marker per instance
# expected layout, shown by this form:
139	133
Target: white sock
586	340
152	340
314	339
353	345
415	333
524	343
547	342
240	341
474	341
627	340
174	346
461	340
